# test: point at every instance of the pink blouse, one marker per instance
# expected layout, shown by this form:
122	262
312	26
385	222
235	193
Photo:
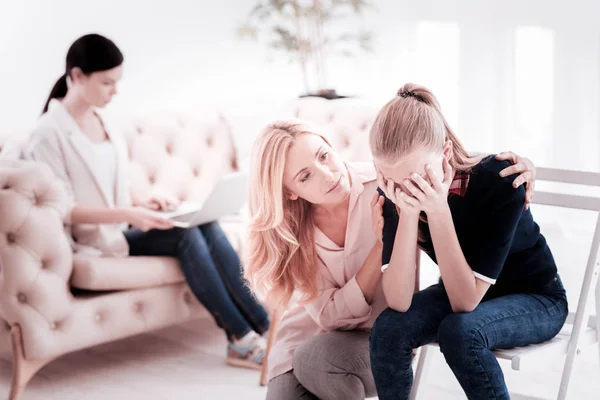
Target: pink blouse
340	304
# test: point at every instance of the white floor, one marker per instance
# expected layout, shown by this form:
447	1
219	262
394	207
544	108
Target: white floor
187	362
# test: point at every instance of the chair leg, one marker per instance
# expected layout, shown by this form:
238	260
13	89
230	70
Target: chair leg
275	317
22	369
420	372
567	370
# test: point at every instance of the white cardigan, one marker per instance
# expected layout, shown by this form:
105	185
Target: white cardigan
59	142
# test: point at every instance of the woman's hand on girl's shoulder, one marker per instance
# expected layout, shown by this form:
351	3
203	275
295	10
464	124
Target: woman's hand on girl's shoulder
526	170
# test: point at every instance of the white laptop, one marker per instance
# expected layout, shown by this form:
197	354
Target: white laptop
228	197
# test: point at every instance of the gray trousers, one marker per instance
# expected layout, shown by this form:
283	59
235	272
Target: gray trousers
332	366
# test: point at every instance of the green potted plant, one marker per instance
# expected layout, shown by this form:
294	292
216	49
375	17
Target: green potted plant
303	30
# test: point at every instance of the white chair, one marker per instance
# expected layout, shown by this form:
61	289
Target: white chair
581	330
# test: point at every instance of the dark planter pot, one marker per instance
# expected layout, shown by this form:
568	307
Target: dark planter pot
329	94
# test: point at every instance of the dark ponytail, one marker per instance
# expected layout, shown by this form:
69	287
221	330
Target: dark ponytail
90	53
58	91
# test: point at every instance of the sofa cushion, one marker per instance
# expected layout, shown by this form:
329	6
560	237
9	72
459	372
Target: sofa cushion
107	273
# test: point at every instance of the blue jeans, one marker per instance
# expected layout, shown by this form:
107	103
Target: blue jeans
465	339
213	271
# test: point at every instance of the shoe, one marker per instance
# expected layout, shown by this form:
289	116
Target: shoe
249	356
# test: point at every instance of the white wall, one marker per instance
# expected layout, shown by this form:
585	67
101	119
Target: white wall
510	74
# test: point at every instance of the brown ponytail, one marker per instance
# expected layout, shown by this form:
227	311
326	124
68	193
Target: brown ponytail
414	118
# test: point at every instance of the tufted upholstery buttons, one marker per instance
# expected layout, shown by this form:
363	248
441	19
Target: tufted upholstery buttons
196	172
11	237
345	142
169	148
330	117
54	325
6	186
44	264
7	326
139	130
98	317
21	298
37	200
209	141
364	125
152	179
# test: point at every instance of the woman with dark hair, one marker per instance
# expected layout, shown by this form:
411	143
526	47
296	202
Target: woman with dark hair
91	163
94	57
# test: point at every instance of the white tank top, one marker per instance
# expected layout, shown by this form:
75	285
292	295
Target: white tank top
105	166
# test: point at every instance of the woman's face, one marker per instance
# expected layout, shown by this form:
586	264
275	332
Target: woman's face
315	172
98	88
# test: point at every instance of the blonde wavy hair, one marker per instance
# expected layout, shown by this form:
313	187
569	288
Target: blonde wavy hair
280	255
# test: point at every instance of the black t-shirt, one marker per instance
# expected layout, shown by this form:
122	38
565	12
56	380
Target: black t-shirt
499	238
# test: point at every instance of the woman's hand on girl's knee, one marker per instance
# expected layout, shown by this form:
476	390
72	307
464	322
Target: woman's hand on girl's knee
526	170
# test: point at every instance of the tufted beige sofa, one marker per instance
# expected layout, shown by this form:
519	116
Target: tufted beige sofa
53	302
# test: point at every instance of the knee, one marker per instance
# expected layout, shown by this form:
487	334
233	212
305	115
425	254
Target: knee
322	367
391	331
457	332
188	236
212	229
323	353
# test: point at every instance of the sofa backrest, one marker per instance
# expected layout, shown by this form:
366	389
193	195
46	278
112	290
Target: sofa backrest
346	122
178	154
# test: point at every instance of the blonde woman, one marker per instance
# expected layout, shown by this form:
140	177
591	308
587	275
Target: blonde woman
499	284
315	245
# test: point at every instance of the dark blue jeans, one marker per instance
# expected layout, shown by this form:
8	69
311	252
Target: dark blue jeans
465	339
213	271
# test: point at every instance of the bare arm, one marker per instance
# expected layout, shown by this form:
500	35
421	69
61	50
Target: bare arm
400	280
98	215
464	290
370	273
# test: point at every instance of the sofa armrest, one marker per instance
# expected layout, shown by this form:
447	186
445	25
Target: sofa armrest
36	259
